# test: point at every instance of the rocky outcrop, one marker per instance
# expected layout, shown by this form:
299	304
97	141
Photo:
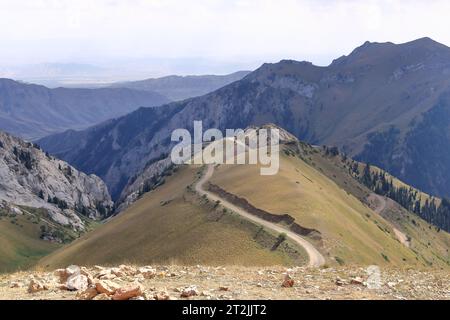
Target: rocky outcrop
29	177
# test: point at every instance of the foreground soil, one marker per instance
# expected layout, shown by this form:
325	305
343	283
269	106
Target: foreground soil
201	282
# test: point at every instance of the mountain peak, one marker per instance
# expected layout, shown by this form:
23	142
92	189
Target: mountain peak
425	43
369	52
425	40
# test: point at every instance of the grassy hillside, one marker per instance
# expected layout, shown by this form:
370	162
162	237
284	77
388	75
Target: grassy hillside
30	235
428	242
173	225
321	195
21	245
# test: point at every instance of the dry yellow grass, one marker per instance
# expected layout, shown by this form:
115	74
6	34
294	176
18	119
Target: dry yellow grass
181	231
351	231
20	244
318	193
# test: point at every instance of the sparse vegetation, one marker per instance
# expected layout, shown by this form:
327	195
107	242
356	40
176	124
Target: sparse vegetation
407	197
339	260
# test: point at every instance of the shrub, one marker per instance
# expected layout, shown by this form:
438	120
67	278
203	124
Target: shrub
339	260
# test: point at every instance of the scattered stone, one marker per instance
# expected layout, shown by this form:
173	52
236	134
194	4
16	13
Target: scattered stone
118	272
189	292
107	287
61	274
88	294
105	274
128	270
77	282
127	293
162	295
98	268
205	293
357	281
72	269
102	296
36	286
15	284
64	274
335	283
391	284
147	272
288	282
340	282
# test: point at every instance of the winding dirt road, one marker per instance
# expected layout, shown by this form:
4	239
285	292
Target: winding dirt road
315	257
380	205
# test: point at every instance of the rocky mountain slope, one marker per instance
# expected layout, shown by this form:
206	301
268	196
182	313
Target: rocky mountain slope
32	178
317	194
385	104
33	111
182	87
43	202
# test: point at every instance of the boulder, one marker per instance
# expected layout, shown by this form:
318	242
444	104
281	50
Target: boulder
106	287
288	282
64	274
77	282
36	286
127	293
189	292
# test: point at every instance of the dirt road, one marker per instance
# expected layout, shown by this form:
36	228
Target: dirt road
380	205
315	257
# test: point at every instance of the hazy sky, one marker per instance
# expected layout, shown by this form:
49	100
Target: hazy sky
232	33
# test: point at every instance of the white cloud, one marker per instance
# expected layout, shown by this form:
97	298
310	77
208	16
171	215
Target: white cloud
226	30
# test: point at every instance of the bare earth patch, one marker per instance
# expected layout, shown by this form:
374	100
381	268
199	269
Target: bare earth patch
223	283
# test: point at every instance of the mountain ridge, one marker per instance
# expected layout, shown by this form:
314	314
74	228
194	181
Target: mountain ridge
177	88
374	107
32	111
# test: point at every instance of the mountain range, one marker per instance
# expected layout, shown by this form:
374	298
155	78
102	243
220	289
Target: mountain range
386	104
182	87
33	111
